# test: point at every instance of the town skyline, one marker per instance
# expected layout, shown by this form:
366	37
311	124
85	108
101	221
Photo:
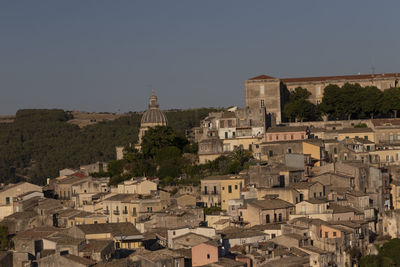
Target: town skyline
111	56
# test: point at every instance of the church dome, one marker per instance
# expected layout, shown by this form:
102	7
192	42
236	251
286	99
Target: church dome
154	115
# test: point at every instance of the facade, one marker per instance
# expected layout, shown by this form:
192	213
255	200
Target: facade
276	134
272	93
265	211
218	190
223	132
10	193
124	235
205	253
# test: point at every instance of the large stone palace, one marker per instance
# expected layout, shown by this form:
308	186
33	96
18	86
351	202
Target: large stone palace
272	93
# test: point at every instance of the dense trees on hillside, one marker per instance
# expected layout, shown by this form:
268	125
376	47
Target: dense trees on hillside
164	154
41	142
350	101
388	255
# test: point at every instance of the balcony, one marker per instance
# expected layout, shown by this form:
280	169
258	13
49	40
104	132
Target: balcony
106	212
125	212
116	212
209	193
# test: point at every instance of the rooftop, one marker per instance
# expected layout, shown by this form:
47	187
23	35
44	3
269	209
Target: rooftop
270	204
96	245
222	177
233	233
122	197
340	77
282	129
302	185
117	229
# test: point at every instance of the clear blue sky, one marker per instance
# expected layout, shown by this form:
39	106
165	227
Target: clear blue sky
109	55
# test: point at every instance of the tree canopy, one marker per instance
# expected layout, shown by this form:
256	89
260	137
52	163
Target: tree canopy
41	142
299	107
388	255
352	101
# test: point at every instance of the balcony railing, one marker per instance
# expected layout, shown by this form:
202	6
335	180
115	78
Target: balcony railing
116	212
125	212
106	212
209	193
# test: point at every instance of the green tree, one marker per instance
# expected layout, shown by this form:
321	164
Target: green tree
391	101
350	100
299	93
371	100
388	255
298	107
159	137
331	99
4	240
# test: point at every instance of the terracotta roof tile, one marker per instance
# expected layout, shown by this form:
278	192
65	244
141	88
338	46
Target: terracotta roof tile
262	77
340	77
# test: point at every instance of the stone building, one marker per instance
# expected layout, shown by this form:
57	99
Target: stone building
272	93
223	132
151	118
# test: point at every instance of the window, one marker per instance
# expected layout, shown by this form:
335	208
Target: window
270	153
289	150
149	209
208	256
334	233
7	200
262	103
315	195
95	222
326	234
292	136
236	187
215	190
274	217
270	137
267	220
368	148
261	89
273	235
335	150
280	217
223	188
277	137
229	189
233	134
226	135
318	90
366	137
205	190
222	124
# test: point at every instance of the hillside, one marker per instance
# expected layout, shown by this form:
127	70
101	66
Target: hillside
41	142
